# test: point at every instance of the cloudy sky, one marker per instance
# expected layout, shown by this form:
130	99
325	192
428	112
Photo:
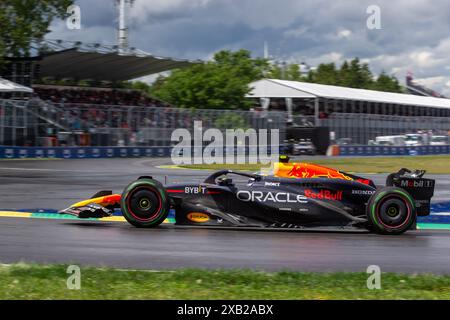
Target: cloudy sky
414	34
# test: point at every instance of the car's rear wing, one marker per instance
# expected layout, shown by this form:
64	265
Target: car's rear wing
420	189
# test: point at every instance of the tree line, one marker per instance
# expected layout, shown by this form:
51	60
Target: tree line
224	81
351	74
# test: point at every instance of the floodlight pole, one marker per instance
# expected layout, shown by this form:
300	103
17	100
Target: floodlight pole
123	28
266	51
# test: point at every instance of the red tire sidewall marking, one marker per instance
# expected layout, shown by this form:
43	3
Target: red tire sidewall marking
153	190
408	206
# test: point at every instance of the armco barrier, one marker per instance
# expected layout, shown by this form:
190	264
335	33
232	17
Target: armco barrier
392	151
83	152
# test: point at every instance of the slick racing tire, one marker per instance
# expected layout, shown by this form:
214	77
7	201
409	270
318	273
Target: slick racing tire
145	203
391	211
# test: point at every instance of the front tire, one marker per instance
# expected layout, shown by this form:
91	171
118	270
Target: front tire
391	211
145	203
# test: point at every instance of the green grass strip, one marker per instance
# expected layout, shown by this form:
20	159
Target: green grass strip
49	282
433	164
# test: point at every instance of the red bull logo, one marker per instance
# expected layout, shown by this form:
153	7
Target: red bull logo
306	170
324	195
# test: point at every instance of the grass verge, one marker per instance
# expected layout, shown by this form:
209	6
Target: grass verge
433	164
49	282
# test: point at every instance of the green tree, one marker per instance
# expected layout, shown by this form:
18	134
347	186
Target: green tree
361	76
139	85
293	72
218	84
288	72
345	75
276	72
25	21
353	74
326	73
387	83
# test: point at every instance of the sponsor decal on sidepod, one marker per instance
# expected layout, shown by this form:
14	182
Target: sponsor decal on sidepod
278	197
324	194
198	217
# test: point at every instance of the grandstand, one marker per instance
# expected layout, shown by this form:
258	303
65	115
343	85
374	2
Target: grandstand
62	60
95	95
41	116
58	115
92	108
357	115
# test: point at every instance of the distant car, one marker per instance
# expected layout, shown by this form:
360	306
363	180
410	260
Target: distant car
389	141
303	147
439	141
295	196
344	141
414	140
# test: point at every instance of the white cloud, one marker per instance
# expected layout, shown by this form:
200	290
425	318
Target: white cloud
423	58
431	81
141	11
87	33
296	33
414	35
344	34
335	57
440	84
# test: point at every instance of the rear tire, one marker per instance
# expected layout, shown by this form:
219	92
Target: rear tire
391	211
145	203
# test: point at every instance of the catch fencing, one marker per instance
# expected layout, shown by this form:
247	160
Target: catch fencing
36	123
359	129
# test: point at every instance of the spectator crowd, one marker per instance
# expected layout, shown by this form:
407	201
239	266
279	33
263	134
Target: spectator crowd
102	96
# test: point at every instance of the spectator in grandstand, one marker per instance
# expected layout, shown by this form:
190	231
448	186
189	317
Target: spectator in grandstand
323	115
98	96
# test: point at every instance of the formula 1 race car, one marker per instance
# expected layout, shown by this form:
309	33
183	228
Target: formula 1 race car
293	196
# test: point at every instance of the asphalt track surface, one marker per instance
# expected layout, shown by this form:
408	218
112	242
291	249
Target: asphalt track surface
57	184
